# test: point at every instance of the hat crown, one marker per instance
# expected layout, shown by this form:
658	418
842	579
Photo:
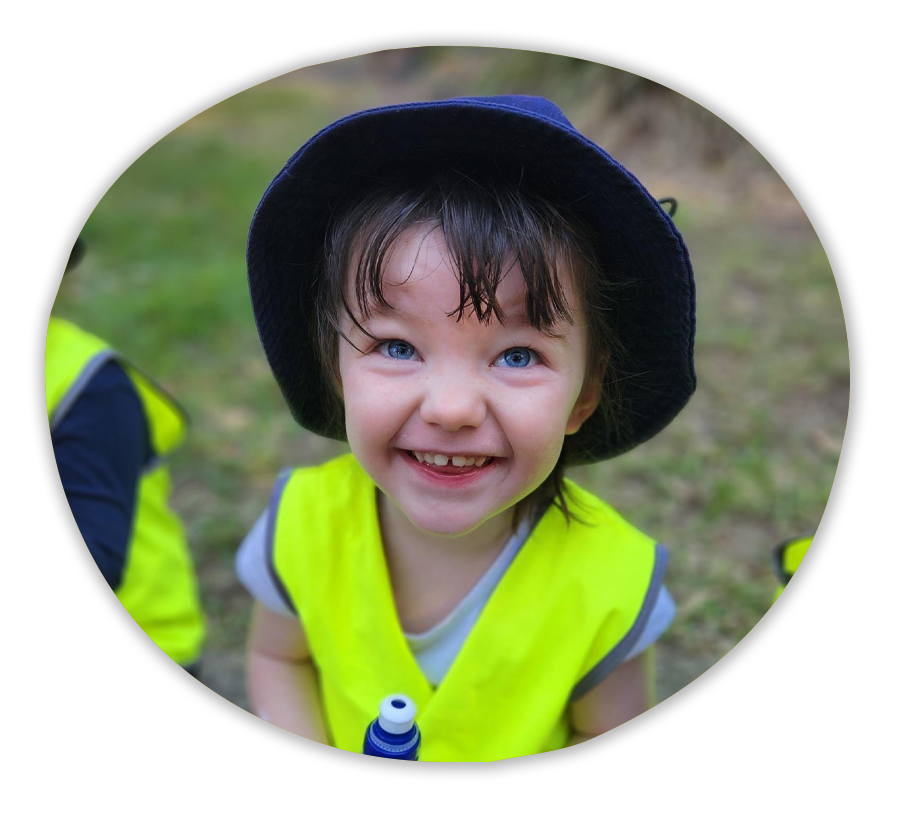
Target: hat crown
537	106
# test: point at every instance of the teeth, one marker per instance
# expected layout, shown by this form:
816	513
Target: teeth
441	460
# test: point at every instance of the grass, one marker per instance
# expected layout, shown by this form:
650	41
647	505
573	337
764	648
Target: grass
749	462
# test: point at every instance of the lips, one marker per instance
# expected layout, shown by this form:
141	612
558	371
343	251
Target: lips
457	460
450	476
449	469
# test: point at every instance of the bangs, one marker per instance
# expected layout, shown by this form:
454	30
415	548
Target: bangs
489	230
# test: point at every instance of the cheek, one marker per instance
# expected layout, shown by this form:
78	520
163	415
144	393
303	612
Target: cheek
371	408
537	421
366	391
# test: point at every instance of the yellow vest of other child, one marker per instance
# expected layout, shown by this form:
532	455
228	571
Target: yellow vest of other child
158	587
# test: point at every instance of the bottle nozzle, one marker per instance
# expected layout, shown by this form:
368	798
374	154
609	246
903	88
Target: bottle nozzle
396	714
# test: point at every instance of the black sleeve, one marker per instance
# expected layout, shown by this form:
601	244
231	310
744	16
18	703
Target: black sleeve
101	446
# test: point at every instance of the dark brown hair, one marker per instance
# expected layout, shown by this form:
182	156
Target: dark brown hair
487	224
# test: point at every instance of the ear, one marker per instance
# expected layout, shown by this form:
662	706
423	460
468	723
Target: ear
587	401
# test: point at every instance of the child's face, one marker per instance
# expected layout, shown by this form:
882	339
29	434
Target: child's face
503	396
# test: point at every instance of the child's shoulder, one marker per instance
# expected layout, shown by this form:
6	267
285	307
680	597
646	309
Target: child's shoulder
339	483
588	507
341	469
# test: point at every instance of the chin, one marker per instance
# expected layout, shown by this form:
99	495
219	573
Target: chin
449	525
452	523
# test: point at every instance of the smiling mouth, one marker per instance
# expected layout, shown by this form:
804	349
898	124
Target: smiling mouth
448	468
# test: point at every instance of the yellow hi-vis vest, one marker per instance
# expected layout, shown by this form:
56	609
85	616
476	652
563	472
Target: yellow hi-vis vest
570	607
787	557
158	587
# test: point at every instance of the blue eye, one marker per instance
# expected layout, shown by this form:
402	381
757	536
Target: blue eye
520	357
398	349
517	357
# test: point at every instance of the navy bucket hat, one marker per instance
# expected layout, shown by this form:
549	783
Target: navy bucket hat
529	137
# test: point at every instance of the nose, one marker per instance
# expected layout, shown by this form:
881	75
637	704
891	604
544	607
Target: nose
453	399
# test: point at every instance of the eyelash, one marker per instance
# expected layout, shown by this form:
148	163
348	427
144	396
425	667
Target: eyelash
534	351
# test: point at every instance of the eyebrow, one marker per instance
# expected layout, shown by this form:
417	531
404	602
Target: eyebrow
514	319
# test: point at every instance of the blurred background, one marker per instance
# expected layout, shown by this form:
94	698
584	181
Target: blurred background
748	463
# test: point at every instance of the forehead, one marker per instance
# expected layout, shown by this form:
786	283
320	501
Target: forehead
420	277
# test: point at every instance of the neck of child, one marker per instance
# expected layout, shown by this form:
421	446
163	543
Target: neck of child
401	538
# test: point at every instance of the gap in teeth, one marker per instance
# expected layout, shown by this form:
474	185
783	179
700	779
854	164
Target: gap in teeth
441	460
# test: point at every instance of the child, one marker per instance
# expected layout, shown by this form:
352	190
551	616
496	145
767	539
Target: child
475	297
112	429
787	558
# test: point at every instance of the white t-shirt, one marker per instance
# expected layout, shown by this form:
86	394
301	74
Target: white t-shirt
436	649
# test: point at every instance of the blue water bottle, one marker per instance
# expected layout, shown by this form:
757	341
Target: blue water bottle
393	734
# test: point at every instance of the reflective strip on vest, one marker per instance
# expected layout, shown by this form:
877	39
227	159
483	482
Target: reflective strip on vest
73	357
571	597
158	588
